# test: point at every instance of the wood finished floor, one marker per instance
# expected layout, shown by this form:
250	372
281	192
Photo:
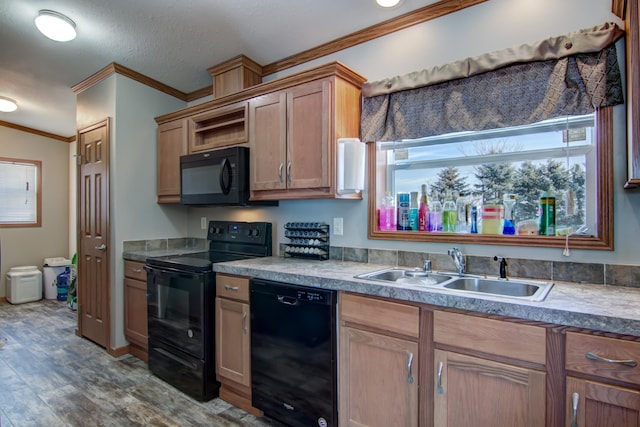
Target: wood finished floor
51	377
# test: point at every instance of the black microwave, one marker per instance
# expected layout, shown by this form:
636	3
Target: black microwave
215	178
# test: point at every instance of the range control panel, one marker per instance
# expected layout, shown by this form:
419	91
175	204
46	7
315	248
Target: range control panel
240	232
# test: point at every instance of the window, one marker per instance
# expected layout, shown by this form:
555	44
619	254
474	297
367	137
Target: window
20	193
516	123
569	158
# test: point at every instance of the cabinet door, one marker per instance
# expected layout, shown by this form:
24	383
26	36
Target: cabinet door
268	138
470	391
602	405
309	124
172	143
378	380
233	341
135	313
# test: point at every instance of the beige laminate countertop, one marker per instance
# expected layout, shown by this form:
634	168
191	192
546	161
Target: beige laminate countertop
600	307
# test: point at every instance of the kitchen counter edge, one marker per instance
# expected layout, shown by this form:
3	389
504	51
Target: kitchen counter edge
598	307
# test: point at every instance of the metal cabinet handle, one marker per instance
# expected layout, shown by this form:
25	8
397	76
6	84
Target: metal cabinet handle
102	247
280	172
439	388
231	288
244	322
409	377
627	362
575	397
136	270
289	172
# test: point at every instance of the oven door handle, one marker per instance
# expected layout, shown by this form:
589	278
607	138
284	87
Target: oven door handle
173	272
175	358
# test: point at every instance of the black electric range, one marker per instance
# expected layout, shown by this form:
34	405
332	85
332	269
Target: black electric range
181	300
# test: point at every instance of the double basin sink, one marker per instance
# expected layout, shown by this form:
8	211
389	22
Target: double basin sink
530	291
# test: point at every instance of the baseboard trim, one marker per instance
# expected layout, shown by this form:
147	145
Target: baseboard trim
118	351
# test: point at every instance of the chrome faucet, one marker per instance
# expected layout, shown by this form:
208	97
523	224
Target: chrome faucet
458	260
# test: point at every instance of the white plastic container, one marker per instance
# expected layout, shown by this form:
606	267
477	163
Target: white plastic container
24	284
50	275
53	267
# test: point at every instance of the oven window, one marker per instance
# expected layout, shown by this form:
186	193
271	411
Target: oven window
175	306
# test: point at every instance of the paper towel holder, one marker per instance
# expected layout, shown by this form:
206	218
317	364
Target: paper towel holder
350	165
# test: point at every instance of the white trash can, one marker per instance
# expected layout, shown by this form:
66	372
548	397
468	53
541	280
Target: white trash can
24	284
53	267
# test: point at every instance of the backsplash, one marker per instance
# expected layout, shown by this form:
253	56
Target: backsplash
588	273
164	244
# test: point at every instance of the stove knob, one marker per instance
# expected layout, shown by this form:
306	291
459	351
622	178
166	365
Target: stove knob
255	232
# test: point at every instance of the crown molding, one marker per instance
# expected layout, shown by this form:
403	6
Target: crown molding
392	25
26	129
115	68
427	13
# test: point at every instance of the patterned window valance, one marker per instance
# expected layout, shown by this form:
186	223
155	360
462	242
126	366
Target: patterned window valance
572	74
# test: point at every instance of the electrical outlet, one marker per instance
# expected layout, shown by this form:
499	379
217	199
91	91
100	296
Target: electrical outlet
337	226
203	222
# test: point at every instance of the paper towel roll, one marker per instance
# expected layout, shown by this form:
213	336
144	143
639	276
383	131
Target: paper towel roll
351	165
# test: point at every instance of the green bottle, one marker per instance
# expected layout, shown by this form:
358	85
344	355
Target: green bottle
449	215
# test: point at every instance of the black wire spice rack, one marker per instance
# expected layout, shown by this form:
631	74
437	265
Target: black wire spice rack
307	240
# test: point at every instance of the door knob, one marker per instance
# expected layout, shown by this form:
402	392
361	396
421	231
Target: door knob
102	247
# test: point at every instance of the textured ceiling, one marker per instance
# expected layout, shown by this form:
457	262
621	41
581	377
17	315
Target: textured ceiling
171	41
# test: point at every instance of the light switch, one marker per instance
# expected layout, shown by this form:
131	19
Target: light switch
203	222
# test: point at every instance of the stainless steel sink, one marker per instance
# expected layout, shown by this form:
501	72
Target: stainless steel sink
508	288
408	276
518	289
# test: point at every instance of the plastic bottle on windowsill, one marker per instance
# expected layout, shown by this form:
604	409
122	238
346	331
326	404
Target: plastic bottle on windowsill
423	209
435	214
388	213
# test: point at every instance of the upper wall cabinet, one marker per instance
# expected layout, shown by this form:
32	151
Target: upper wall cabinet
172	143
293	137
220	127
292	125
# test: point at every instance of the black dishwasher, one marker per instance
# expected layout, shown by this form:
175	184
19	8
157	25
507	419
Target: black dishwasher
293	353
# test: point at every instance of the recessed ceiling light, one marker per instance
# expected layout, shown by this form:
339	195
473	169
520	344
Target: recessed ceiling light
7	105
56	26
388	3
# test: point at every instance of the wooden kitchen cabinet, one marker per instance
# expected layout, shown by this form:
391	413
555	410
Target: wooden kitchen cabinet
379	362
172	143
135	308
486	372
611	397
220	127
233	341
293	137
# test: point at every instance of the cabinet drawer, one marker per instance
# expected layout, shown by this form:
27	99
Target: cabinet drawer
135	270
513	340
233	287
578	345
384	315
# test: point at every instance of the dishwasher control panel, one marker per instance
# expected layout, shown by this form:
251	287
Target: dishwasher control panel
312	296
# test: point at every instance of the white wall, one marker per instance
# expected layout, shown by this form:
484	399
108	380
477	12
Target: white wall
30	245
490	26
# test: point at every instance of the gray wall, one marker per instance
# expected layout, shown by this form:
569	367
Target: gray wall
490	26
30	245
134	213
